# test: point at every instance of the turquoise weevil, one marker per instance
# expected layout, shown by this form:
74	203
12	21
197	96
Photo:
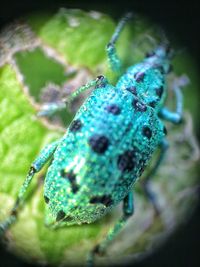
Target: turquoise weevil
107	145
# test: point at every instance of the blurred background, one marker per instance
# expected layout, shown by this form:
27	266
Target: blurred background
179	17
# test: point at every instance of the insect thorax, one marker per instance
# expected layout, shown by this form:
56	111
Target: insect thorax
146	80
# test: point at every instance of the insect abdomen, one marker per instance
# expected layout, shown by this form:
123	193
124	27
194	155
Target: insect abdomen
101	155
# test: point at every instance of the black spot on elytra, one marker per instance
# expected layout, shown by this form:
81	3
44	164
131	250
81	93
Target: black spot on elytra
46	199
126	161
71	177
132	89
139	76
75	188
75	125
105	200
146	131
60	215
98	143
152	104
114	109
139	106
159	91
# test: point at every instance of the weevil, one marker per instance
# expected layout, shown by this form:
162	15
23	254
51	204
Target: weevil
107	145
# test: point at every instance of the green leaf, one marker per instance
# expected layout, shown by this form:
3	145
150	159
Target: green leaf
35	76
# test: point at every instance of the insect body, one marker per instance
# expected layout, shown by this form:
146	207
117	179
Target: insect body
107	145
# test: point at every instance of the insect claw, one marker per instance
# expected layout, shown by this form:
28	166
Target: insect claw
100	77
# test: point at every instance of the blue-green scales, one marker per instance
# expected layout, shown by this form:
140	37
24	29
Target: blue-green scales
87	178
107	145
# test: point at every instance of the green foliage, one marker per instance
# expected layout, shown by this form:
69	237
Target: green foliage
75	33
41	71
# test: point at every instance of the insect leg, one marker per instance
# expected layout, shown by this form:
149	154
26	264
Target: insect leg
113	58
51	108
36	166
146	181
128	211
175	117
